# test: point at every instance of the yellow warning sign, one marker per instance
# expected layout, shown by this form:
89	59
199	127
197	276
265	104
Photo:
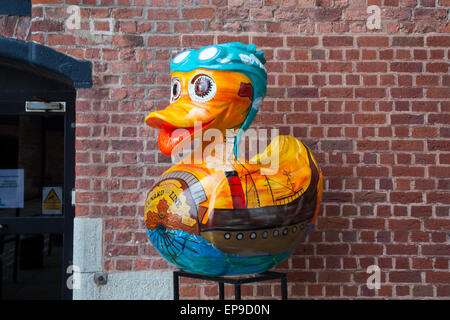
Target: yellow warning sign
52	203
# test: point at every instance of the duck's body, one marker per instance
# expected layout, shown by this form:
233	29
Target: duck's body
234	216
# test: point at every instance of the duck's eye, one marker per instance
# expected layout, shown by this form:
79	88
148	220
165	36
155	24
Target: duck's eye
202	88
176	89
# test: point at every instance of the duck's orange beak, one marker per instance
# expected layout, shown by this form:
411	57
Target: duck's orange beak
184	116
176	126
178	122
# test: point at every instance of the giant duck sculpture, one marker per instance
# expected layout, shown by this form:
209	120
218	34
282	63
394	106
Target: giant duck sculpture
233	217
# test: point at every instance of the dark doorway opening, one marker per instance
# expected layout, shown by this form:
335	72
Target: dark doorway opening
32	263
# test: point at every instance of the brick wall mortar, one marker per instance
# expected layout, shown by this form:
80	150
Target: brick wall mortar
375	112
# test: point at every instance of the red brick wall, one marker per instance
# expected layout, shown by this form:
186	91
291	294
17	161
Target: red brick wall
373	105
15	27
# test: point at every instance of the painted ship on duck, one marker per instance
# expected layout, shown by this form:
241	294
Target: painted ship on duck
229	241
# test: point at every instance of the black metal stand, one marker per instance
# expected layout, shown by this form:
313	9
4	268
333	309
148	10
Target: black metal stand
237	282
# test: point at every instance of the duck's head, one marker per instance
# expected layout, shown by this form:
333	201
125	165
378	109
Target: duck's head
220	86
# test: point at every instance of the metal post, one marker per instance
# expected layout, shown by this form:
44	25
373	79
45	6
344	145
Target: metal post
176	286
221	291
237	291
283	287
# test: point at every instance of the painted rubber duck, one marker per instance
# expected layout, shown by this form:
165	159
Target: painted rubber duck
215	213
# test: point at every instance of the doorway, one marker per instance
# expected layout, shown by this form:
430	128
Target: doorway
37	170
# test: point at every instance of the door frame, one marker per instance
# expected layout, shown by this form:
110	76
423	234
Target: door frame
45	61
64	224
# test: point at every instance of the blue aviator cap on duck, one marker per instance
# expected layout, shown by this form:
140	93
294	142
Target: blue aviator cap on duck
234	56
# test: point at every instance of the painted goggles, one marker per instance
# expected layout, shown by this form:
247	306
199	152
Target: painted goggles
233	56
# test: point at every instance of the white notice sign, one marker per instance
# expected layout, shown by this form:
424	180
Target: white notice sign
11	188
